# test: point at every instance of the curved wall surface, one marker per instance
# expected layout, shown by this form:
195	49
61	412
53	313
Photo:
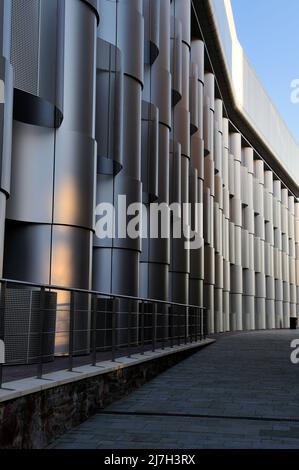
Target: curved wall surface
119	99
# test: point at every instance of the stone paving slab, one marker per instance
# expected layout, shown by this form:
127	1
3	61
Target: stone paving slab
241	392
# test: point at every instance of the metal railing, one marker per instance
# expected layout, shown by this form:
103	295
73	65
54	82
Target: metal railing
48	328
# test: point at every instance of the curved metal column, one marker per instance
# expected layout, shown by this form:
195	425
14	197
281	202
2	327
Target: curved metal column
226	219
269	250
123	27
218	216
181	40
197	169
154	261
259	249
236	233
50	214
285	256
277	254
297	255
248	306
209	195
6	112
292	257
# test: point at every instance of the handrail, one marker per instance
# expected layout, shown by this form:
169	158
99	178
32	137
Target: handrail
93	292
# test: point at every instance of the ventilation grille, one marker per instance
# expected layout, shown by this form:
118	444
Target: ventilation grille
25	40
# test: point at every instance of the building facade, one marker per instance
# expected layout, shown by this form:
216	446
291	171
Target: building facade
153	100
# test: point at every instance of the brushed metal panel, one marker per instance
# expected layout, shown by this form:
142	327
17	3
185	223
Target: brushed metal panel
181	9
74	184
150	152
32	174
131	37
27	255
109	108
151	13
176	60
71	257
79	69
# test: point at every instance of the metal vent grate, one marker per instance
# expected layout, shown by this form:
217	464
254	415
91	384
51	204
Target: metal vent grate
25	40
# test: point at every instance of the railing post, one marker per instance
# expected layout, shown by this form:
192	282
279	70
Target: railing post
186	325
3	286
71	331
142	327
94	328
129	327
163	323
154	327
171	325
195	326
113	328
41	332
179	318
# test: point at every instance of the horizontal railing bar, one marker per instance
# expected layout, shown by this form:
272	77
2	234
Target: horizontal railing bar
92	292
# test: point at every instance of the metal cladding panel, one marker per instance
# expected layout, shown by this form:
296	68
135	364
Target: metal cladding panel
235	145
231	174
181	115
131	188
124	261
208	218
32	244
270	288
260	313
151	13
194	98
109	108
209	170
198	57
178	287
175	177
226	276
248	282
131	37
197	155
2	225
150	151
209	265
33	157
74	180
232	244
218	310
71	257
260	285
101	269
236	316
158	281
108	20
219	283
260	226
132	128
176	60
181	9
247	159
226	311
160	71
286	292
245	192
195	292
236	211
245	249
6	115
236	279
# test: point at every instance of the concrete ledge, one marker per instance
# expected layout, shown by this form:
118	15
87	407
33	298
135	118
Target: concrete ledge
34	412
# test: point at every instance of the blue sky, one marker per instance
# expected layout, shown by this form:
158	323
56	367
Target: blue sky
269	33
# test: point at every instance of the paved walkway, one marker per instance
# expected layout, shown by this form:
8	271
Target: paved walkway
240	392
